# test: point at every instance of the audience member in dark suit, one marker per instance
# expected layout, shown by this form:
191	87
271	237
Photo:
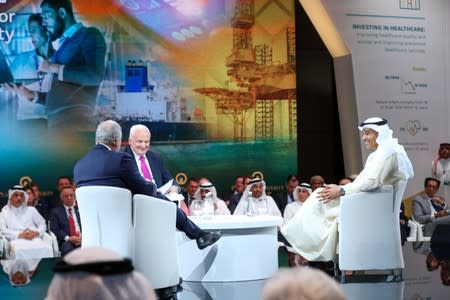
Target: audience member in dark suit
430	209
39	203
55	199
104	165
77	68
233	198
65	221
287	196
191	190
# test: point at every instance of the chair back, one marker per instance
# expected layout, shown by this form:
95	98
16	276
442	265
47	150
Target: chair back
156	254
369	229
105	214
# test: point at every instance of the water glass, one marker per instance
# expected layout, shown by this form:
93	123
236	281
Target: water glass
197	207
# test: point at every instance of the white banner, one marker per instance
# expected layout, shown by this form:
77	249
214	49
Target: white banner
400	61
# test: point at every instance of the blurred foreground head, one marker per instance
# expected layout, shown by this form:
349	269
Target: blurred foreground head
302	283
97	273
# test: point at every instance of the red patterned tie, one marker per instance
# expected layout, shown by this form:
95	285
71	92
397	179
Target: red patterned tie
144	169
72	230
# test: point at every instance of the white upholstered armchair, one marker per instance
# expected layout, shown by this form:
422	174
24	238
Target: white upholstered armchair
369	232
105	214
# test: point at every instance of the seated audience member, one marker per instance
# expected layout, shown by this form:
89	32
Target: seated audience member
301	193
65	221
232	200
220	208
263	204
97	273
54	200
191	190
345	180
39	203
23	227
316	181
286	197
440	169
300	284
430	209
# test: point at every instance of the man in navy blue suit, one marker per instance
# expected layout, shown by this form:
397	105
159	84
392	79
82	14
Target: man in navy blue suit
150	164
105	165
65	221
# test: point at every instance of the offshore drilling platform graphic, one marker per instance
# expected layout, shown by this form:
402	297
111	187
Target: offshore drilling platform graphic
259	82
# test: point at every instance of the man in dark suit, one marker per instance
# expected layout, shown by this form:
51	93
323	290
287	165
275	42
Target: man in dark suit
76	69
284	198
191	190
55	199
65	221
430	209
150	164
105	165
139	148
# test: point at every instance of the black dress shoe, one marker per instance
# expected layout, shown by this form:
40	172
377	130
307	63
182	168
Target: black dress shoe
208	239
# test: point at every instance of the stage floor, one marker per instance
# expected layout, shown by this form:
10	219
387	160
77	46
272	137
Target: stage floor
419	283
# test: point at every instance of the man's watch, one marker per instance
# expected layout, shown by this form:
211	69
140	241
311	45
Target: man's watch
342	192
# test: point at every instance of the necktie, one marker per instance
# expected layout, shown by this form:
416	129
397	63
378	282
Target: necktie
72	230
144	169
436	207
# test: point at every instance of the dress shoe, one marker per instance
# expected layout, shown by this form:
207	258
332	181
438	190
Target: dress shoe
208	239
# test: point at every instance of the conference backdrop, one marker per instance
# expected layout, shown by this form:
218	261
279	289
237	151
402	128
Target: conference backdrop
400	61
213	80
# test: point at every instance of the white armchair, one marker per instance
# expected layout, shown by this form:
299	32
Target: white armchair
156	254
106	220
369	231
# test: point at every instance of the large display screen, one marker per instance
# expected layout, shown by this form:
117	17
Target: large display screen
213	80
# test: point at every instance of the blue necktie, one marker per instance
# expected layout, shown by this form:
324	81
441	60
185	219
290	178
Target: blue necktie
436	207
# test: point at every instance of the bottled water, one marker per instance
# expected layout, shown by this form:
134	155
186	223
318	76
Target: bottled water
208	206
250	211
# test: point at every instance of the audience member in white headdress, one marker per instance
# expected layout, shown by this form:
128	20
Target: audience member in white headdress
301	193
313	230
98	274
262	203
23	227
220	207
300	284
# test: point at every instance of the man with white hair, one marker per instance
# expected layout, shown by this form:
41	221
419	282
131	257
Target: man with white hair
263	204
150	164
220	208
313	230
105	165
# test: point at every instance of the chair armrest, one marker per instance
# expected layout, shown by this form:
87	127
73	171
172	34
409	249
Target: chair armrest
51	238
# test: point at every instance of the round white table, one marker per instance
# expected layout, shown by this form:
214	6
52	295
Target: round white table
248	250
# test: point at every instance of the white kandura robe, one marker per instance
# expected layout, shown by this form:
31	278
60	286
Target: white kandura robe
313	231
12	222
